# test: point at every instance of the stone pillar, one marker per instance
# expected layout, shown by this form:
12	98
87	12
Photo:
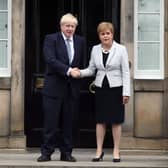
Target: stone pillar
126	37
17	138
4	113
165	111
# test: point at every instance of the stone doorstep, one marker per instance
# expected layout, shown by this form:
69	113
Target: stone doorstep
127	162
89	151
17	158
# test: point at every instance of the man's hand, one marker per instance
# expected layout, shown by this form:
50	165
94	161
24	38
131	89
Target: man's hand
75	72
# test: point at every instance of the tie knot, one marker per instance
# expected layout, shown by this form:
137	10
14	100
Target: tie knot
68	41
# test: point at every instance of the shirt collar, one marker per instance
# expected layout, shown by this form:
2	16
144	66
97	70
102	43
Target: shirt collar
64	37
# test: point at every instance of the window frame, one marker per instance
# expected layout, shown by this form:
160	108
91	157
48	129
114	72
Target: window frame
149	74
6	72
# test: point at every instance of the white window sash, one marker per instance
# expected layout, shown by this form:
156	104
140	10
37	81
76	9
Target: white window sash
149	74
6	71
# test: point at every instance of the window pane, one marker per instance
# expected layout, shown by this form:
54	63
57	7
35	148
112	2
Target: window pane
148	27
3	25
3	54
3	4
148	5
148	56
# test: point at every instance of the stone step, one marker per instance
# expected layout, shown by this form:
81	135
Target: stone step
130	159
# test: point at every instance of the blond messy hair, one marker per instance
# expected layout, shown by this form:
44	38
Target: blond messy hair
68	18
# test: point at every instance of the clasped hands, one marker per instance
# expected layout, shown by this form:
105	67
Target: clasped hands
75	72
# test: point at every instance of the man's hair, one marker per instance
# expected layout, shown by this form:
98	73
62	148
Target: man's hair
68	18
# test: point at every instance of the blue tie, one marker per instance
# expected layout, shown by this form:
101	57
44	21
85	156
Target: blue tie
69	50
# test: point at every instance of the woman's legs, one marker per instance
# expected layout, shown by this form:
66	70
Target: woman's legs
116	132
100	133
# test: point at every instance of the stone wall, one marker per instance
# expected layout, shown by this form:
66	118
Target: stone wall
147	111
12	89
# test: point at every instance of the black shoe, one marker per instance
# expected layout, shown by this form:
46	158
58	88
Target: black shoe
97	159
44	158
116	160
67	157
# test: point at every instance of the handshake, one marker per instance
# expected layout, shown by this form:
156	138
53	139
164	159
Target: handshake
75	72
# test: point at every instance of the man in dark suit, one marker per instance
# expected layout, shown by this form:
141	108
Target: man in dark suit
63	52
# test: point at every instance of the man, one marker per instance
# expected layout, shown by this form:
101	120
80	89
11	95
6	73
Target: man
63	51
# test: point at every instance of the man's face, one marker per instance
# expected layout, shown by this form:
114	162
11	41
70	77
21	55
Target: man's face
68	29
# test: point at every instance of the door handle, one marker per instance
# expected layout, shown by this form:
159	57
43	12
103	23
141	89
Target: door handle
92	87
39	83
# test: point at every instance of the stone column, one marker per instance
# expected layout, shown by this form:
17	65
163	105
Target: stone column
126	37
17	139
4	111
165	111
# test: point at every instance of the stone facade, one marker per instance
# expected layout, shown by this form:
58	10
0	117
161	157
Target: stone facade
147	111
12	89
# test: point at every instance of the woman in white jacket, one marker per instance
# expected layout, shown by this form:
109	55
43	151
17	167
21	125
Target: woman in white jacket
110	62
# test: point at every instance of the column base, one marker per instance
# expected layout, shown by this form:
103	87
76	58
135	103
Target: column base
13	142
128	141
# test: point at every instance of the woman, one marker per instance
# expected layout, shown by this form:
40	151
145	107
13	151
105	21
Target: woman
110	62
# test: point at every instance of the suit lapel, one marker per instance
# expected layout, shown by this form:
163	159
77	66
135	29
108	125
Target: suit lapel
62	46
111	54
75	42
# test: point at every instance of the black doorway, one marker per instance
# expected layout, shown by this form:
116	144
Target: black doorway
42	17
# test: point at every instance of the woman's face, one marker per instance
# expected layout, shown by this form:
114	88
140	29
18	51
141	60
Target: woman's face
106	37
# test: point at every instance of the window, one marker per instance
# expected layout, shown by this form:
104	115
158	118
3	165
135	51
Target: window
148	39
5	38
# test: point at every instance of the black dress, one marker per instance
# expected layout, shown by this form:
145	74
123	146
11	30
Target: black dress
108	102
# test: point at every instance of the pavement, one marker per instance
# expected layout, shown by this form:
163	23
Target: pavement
26	158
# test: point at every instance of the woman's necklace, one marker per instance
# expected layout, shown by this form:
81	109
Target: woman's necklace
106	50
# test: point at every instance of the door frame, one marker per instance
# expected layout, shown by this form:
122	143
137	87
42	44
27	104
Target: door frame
33	48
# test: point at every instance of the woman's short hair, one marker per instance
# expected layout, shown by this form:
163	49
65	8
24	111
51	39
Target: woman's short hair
104	26
68	18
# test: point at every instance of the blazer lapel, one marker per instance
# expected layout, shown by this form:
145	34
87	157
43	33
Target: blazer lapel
100	57
111	54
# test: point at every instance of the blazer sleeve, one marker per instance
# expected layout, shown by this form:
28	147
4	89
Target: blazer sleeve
50	56
90	70
125	72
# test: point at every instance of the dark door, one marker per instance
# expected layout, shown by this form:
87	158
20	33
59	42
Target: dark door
42	17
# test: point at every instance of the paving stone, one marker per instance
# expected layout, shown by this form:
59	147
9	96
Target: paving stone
130	159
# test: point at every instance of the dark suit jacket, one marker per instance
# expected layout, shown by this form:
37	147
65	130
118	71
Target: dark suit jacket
56	82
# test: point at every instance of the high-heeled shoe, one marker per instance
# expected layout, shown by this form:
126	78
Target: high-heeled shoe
97	159
116	160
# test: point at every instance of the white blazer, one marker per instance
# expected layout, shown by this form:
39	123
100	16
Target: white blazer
116	70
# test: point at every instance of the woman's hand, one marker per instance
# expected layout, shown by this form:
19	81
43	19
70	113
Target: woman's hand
75	72
125	99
